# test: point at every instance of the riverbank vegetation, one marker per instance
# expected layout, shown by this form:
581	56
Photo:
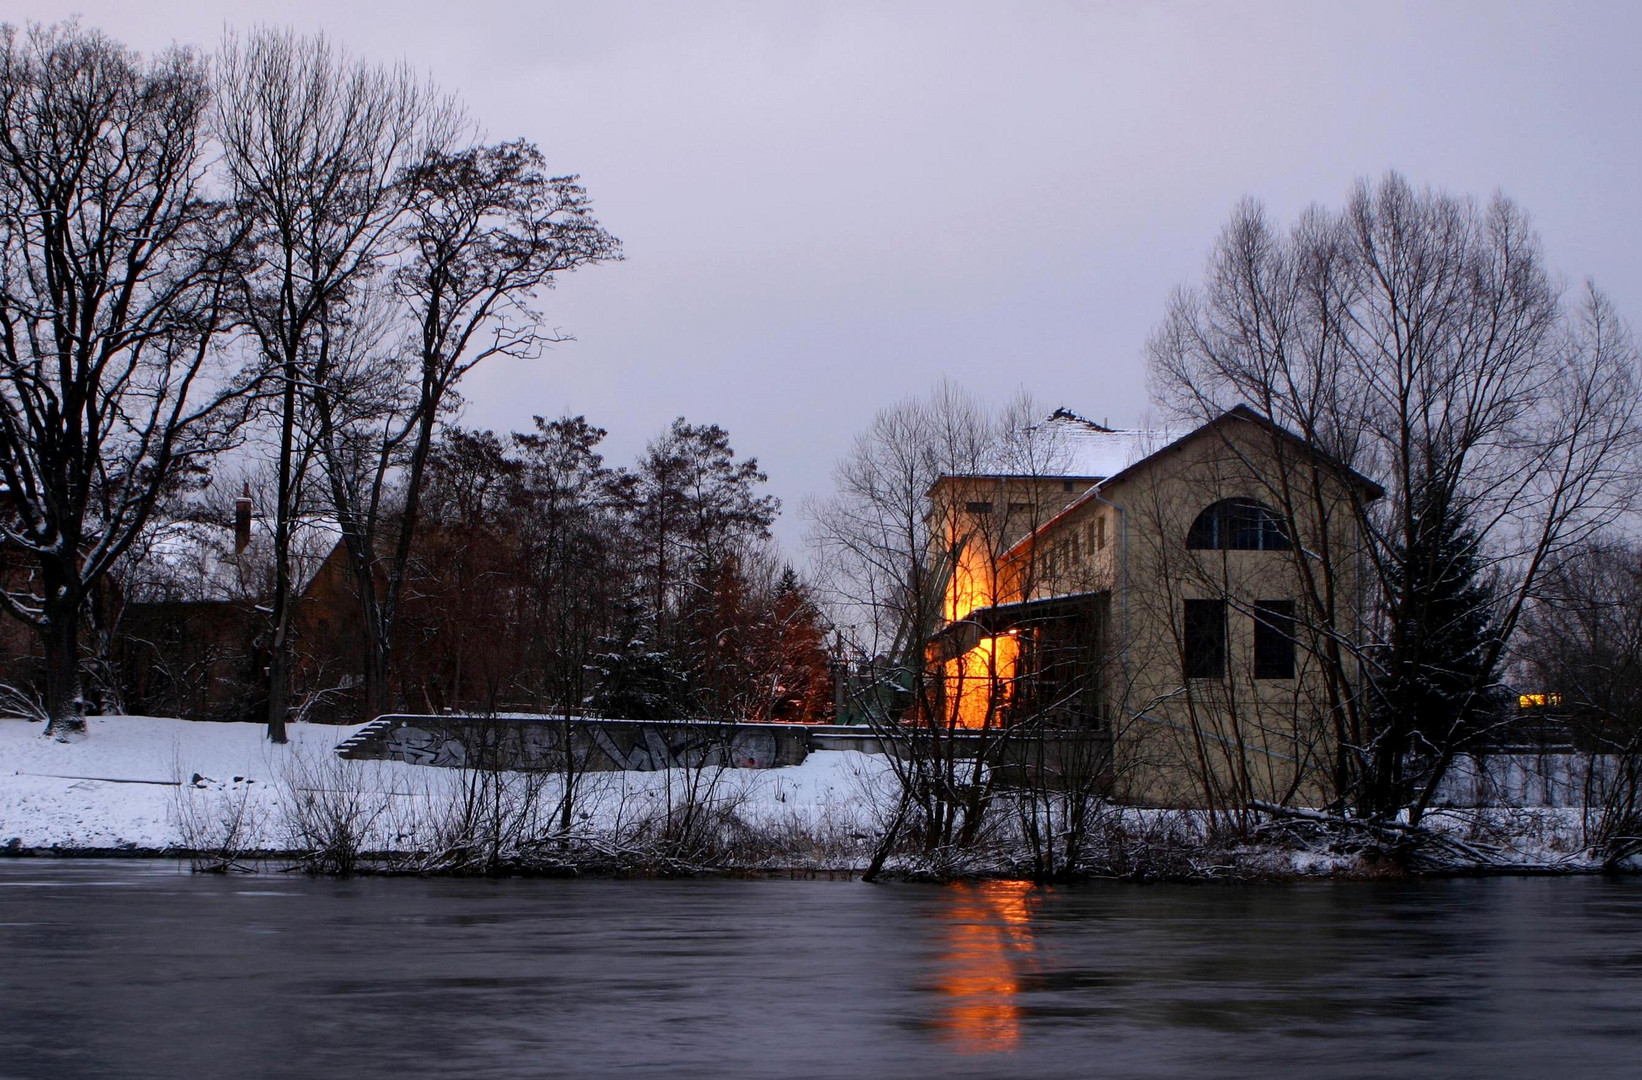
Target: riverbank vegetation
220	796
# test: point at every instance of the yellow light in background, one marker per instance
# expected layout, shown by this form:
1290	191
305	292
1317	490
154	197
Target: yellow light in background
1537	701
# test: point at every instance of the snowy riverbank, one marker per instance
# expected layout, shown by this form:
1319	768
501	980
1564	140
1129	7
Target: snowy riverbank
149	785
152	784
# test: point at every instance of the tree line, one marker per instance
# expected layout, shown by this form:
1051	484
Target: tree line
539	579
283	250
650	593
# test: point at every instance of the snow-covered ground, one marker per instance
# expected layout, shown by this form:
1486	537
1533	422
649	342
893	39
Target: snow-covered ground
152	783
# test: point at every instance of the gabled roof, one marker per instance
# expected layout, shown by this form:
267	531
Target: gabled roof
191	561
1095	451
1245	414
1236	414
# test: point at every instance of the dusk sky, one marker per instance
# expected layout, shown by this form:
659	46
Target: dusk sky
828	207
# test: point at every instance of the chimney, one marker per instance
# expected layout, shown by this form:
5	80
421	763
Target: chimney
242	521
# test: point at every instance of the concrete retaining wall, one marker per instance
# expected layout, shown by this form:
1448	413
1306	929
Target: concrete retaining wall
549	743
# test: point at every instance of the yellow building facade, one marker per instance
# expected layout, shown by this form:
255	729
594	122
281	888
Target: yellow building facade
1195	596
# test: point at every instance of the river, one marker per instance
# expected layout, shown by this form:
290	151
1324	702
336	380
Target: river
138	969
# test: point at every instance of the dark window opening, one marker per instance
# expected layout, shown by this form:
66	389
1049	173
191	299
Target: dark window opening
1204	640
1274	639
1019	508
1238	525
1066	485
978	507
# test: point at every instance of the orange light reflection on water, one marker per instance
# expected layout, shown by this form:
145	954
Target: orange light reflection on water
987	940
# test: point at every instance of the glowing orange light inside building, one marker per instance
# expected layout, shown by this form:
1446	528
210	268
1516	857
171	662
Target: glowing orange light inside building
979	682
971	585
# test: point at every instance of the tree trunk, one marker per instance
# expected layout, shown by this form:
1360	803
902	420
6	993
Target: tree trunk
886	843
59	634
378	699
279	662
279	683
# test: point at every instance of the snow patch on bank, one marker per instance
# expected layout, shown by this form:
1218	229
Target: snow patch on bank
132	780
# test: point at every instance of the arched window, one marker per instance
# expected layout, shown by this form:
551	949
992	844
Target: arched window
1238	525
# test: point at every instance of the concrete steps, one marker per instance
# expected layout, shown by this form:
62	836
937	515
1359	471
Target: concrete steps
367	742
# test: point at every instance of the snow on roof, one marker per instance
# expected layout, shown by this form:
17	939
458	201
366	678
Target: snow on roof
195	561
1092	450
1065	444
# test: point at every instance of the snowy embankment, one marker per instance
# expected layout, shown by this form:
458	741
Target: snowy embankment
222	792
152	784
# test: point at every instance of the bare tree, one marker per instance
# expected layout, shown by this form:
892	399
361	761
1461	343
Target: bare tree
485	230
112	269
1584	654
913	543
315	143
1417	338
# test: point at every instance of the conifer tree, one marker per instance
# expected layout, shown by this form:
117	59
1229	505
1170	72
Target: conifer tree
1438	693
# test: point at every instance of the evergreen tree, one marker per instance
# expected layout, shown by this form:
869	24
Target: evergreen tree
1437	691
632	678
802	683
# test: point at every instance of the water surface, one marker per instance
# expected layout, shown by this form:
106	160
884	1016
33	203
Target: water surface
134	969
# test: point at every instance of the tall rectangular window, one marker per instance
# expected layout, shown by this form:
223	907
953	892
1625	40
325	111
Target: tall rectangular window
1100	532
1274	639
1204	639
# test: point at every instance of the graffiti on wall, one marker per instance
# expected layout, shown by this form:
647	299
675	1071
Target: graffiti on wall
597	746
648	747
418	747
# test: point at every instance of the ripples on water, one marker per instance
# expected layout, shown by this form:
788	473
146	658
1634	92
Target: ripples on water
133	969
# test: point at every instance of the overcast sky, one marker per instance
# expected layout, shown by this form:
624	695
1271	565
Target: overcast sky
827	207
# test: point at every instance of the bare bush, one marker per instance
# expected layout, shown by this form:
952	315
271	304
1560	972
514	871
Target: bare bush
492	820
22	702
216	821
330	813
690	821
